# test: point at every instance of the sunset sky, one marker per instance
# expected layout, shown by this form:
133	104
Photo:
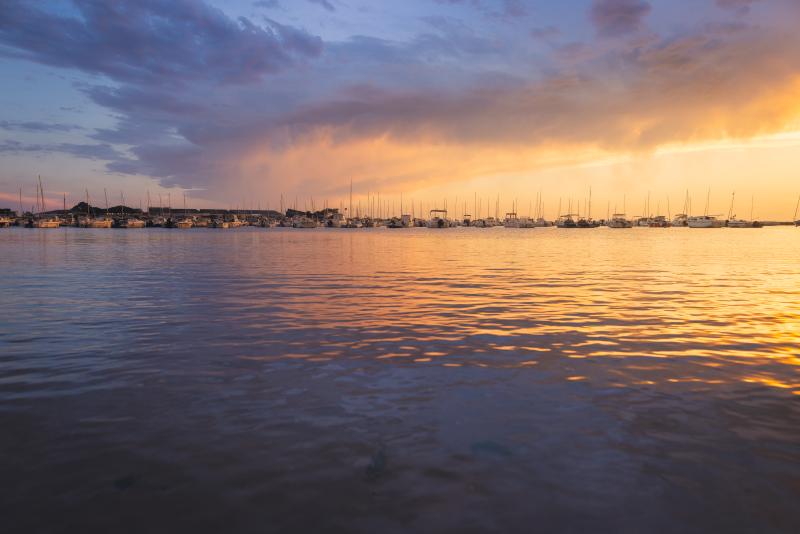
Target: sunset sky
238	102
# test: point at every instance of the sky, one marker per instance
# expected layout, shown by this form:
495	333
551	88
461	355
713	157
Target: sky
240	103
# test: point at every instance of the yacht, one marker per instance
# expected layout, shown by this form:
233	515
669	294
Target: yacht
618	220
705	221
184	223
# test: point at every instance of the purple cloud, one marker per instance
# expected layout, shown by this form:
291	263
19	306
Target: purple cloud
618	17
323	3
740	6
36	126
159	42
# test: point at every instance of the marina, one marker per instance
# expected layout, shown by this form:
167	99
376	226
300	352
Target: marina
84	215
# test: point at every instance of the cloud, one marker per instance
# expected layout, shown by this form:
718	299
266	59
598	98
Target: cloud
740	6
104	152
452	102
36	126
618	17
159	42
493	8
323	3
546	33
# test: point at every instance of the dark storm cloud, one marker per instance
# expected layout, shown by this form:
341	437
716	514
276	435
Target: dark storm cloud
152	41
618	17
707	84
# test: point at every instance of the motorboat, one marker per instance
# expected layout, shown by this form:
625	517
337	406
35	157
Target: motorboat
438	219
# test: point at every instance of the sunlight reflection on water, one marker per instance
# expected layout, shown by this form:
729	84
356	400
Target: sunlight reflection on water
383	378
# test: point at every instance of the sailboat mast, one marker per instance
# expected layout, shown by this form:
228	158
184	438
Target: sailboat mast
41	192
797	206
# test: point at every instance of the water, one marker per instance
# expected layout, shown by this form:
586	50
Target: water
375	380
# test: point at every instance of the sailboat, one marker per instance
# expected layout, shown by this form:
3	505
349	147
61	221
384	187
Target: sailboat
734	222
42	221
705	220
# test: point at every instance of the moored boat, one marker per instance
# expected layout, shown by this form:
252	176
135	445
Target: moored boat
438	219
618	220
705	221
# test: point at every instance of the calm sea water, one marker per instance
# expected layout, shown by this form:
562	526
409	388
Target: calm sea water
465	380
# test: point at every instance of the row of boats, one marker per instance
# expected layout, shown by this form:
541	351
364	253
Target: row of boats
437	219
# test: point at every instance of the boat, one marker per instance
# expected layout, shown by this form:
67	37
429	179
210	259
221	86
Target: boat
219	223
438	219
184	223
511	221
659	221
618	220
47	222
95	222
336	220
739	223
734	222
680	219
131	222
304	222
5	222
404	221
566	221
705	221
